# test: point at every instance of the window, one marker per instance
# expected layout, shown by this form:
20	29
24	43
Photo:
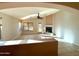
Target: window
19	25
40	27
28	26
1	24
25	26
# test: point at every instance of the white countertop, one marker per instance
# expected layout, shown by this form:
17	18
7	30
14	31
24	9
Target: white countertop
26	40
16	42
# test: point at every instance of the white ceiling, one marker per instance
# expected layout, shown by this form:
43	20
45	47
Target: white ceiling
25	12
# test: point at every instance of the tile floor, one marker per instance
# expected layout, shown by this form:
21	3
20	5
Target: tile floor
67	49
64	48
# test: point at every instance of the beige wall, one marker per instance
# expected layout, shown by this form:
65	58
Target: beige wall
59	23
66	26
10	27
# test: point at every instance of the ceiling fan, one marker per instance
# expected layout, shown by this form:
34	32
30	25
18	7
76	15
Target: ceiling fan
39	17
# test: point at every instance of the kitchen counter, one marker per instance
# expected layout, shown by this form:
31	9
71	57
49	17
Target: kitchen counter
28	39
38	45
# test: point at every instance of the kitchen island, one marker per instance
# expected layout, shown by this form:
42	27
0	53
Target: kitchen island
30	47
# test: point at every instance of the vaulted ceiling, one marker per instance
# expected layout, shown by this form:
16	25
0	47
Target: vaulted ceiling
27	12
22	12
